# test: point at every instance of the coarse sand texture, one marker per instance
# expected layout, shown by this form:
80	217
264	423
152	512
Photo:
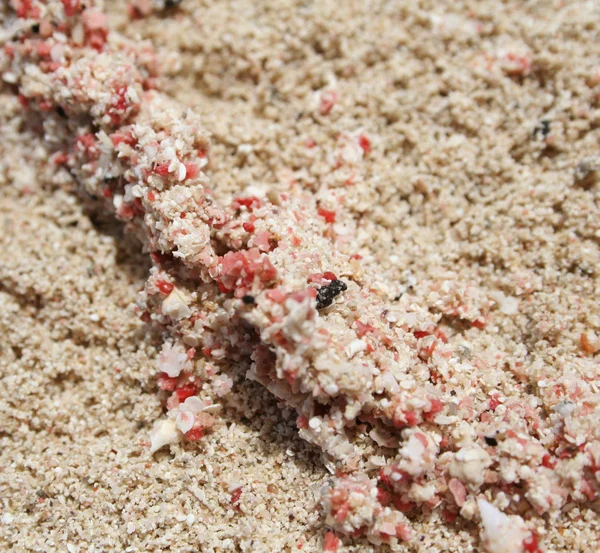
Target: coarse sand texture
299	276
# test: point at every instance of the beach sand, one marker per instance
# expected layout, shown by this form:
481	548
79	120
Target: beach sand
478	185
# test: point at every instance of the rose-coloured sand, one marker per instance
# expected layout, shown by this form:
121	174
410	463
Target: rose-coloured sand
377	384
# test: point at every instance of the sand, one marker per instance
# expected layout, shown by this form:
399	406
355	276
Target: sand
483	126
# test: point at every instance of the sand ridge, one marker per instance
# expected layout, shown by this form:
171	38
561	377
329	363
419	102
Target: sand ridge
426	217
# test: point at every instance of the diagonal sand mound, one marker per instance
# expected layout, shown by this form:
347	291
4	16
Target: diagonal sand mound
412	403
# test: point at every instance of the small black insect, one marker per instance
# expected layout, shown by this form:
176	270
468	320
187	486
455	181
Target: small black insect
248	300
35	28
543	128
490	441
61	111
327	293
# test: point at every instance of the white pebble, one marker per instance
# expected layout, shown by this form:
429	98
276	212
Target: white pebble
175	306
184	421
164	432
245	149
331	389
314	423
355	346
